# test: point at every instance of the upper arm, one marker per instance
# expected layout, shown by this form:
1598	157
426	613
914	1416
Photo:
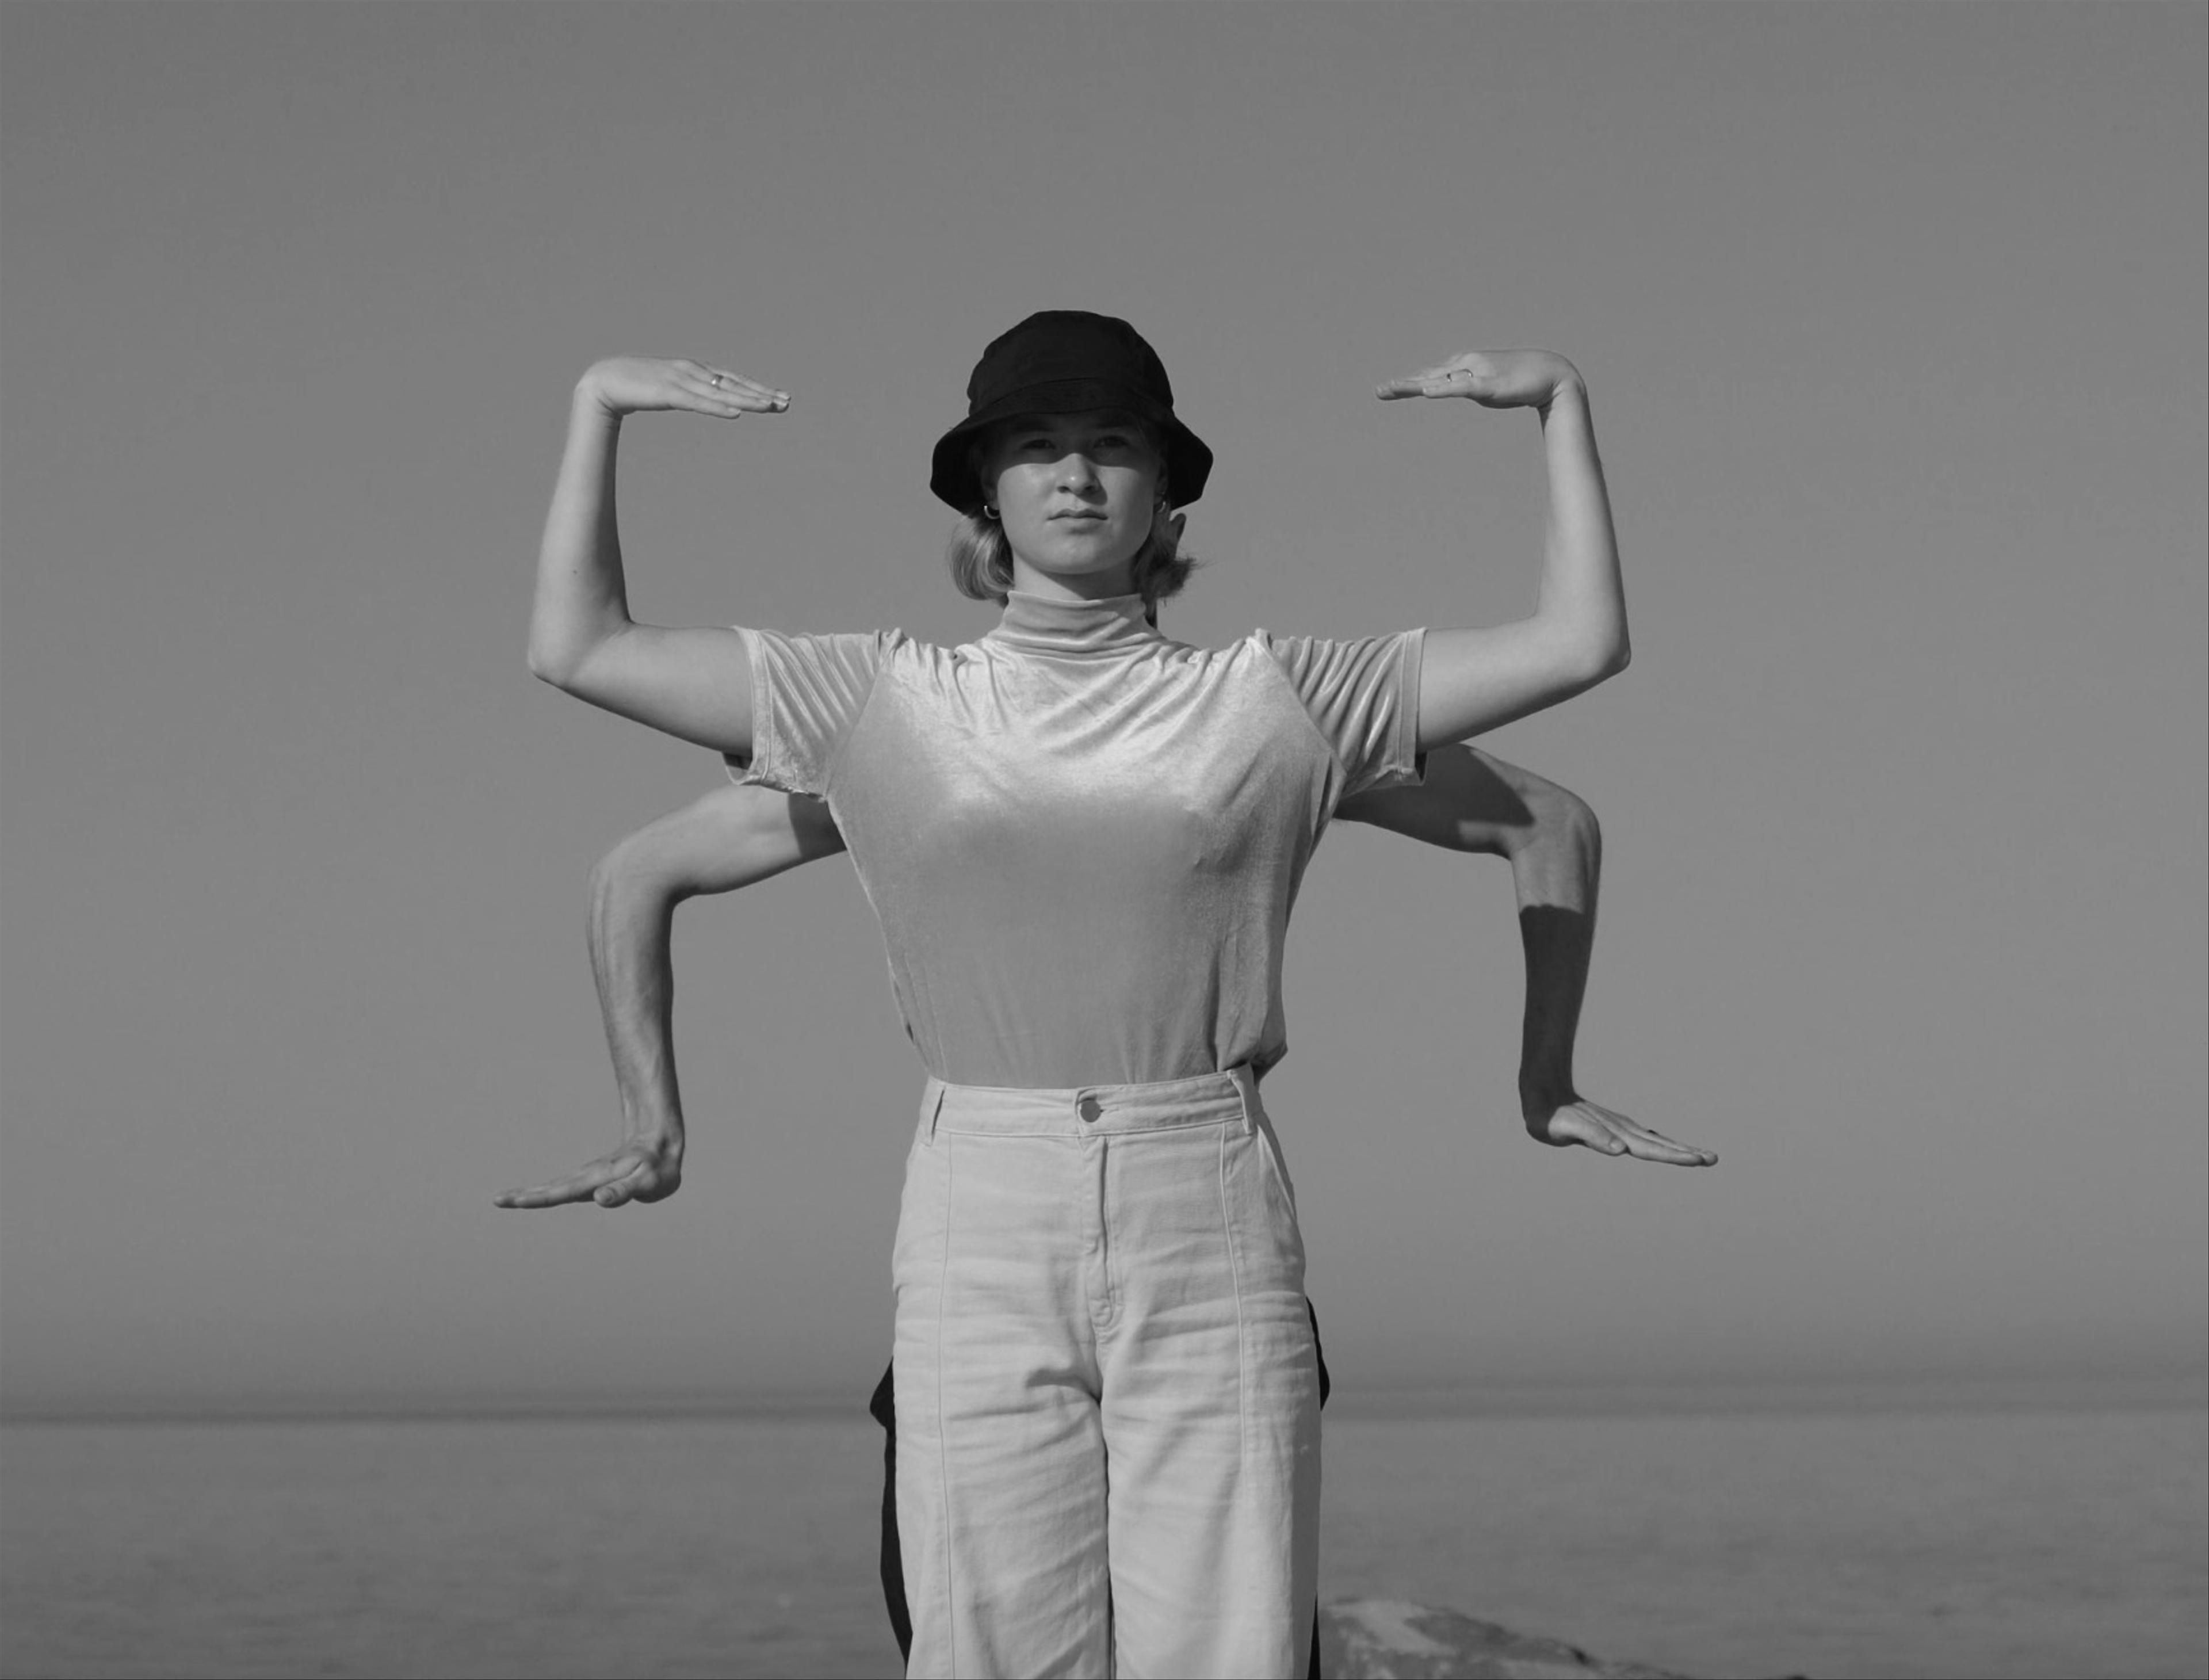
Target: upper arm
1362	697
1475	680
731	837
1472	801
1462	805
692	683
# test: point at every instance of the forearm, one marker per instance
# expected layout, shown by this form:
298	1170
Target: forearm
1557	872
1582	596
581	599
632	920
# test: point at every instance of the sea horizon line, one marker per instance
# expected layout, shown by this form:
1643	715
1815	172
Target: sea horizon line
1406	1401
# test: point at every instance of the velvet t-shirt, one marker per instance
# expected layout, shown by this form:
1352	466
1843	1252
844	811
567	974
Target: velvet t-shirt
1083	840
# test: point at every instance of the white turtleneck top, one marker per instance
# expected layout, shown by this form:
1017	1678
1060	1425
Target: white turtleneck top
1082	840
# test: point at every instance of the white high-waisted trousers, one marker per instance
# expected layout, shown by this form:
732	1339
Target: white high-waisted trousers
1107	1387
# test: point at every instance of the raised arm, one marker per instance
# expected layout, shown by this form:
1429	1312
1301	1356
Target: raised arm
1475	679
695	684
1472	801
731	837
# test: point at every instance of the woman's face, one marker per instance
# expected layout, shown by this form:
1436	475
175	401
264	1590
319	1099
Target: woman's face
1076	494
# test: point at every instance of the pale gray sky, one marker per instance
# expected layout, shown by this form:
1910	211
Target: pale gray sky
1893	320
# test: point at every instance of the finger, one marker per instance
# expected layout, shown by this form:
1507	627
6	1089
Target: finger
547	1195
731	379
1461	383
1636	1126
575	1187
744	396
750	395
1411	385
729	398
1656	1149
1649	1145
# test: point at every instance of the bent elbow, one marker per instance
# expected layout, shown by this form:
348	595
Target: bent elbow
634	879
1559	816
1576	820
1615	652
609	874
559	663
547	666
1587	655
1607	660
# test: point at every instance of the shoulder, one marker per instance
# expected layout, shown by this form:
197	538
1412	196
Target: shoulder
840	641
851	650
1287	648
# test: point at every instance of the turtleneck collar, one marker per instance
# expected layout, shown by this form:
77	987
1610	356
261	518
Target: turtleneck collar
1048	624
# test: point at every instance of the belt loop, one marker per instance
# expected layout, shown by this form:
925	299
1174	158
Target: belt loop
1246	1087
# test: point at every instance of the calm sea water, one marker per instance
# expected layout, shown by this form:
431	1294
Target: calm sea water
2001	1542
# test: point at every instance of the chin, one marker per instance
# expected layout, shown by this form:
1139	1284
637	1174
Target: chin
1085	561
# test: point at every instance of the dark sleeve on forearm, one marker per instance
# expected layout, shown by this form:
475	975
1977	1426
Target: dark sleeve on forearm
1557	874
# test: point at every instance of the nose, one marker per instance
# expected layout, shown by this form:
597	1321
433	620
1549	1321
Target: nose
1078	474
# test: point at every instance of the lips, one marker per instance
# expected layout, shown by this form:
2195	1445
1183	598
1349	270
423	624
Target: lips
1078	513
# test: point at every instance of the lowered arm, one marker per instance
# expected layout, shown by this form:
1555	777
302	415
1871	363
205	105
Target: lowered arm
1472	801
731	837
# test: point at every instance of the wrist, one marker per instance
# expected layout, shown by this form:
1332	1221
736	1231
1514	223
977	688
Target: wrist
588	400
1568	392
1546	1089
662	1135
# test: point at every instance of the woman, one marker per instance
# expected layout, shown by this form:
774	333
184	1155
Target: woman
1082	842
737	837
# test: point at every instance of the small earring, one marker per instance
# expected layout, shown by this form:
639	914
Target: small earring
988	512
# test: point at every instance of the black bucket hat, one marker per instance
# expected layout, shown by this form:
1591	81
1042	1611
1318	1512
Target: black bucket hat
1062	362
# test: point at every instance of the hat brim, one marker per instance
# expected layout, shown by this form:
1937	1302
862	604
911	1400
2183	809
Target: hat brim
1188	458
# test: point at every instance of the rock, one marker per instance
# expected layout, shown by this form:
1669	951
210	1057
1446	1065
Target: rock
1388	1639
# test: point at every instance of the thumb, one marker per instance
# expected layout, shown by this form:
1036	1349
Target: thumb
621	1190
1576	1125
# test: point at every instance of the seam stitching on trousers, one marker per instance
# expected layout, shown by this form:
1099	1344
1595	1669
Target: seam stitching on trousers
942	1441
1235	1271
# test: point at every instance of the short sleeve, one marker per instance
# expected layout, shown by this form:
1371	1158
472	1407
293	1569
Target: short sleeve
807	693
1364	698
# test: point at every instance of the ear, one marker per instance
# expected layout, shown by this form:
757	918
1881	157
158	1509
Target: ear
978	465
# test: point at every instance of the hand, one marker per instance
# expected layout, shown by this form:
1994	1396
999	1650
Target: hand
627	384
1492	378
639	1170
1592	1126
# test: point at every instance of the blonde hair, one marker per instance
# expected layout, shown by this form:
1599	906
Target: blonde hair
980	556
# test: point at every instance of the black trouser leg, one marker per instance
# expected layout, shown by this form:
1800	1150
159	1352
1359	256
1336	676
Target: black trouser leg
883	1406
